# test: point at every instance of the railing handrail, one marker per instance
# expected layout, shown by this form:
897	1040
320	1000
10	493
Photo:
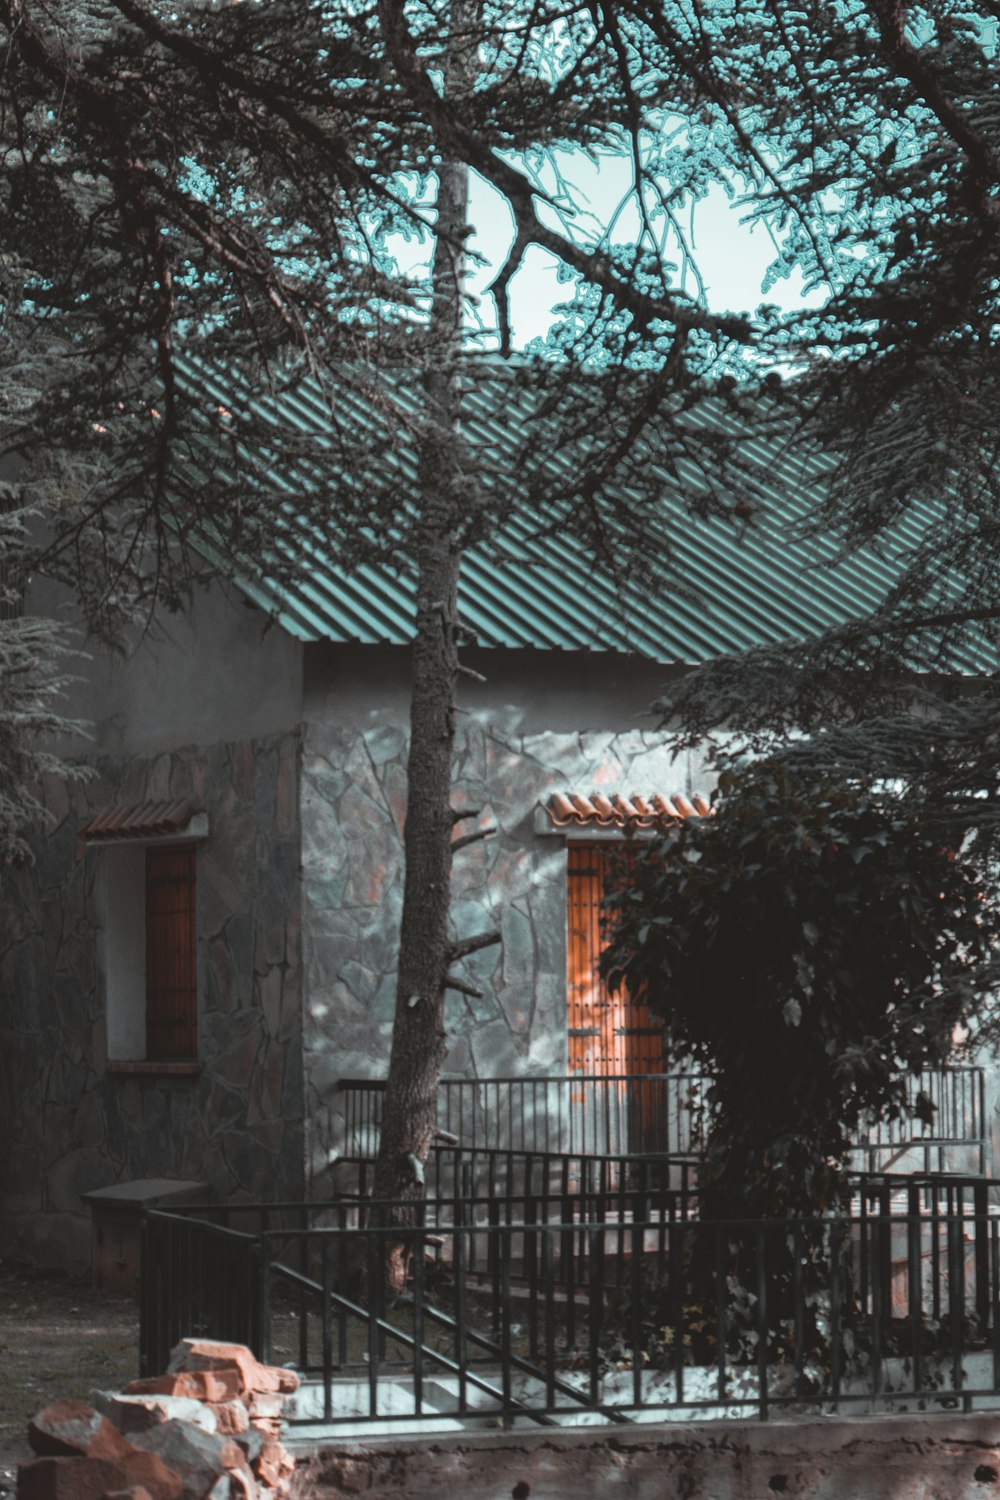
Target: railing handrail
645	1115
189	1210
916	1255
428	1352
893	1183
464	1081
377	1085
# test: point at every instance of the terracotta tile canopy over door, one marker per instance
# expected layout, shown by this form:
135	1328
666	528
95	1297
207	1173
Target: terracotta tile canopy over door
609	1034
171	968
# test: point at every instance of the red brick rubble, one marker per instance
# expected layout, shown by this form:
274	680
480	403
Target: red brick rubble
208	1429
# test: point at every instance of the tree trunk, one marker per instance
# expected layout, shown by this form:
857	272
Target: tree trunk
418	1038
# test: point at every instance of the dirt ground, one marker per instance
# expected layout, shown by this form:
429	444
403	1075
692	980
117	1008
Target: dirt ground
57	1338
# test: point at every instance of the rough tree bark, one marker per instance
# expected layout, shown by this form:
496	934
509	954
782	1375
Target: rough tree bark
426	952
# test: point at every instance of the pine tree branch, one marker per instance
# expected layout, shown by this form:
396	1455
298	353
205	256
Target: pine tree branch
464	946
217	70
462	814
474	838
463	989
984	163
458	141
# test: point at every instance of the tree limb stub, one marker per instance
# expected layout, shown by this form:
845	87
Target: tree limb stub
465	946
474	838
463	989
462	814
417	1168
471	672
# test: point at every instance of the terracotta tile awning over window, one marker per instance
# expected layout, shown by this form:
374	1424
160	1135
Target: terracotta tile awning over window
572	810
139	820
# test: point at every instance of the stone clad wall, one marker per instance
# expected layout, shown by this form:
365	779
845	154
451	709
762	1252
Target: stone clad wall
353	805
68	1126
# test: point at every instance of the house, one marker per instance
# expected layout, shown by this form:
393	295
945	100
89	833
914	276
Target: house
204	946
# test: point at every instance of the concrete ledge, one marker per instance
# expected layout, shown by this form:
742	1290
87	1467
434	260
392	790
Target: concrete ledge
117	1217
124	1069
946	1456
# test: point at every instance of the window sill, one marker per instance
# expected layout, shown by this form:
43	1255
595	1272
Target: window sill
155	1069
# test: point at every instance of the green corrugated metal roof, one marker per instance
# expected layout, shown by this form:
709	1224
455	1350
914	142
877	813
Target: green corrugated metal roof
754	586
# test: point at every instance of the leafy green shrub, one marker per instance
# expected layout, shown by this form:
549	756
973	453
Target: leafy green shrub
808	945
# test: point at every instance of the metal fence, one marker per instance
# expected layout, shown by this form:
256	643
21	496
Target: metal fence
643	1112
579	1184
665	1114
565	1309
197	1276
953	1140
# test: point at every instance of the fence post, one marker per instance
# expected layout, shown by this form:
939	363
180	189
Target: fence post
595	1307
914	1276
145	1297
981	1212
762	1394
884	1257
326	1282
956	1291
263	1252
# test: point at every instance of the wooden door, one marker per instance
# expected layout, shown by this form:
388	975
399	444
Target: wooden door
610	1035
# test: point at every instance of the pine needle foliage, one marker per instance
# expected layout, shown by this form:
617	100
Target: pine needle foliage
34	661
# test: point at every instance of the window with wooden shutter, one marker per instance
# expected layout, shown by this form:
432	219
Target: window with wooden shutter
609	1034
171	964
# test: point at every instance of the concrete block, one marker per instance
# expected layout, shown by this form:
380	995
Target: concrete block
116	1214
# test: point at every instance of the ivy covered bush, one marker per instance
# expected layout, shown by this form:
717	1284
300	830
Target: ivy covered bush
809	944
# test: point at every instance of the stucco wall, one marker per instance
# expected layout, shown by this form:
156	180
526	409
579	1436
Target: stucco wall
507	760
67	1125
223	671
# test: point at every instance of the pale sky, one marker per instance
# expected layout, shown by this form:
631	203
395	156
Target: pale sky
732	258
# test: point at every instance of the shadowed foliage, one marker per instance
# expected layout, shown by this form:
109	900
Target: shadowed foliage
809	945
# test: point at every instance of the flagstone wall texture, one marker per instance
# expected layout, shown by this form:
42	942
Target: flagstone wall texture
353	804
299	896
70	1126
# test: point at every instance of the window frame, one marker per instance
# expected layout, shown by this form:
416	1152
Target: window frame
122	890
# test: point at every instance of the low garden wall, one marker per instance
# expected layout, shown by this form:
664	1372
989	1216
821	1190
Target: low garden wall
941	1456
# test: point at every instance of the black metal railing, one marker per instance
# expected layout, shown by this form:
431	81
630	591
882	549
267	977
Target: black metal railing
573	1184
660	1113
199	1277
525	1308
665	1114
953	1138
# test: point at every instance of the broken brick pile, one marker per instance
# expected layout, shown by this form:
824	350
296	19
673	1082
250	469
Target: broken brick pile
209	1429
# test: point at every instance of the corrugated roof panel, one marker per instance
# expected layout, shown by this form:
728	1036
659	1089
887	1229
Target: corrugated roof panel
760	584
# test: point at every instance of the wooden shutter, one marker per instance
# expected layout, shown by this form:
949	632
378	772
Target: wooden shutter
171	970
608	1033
